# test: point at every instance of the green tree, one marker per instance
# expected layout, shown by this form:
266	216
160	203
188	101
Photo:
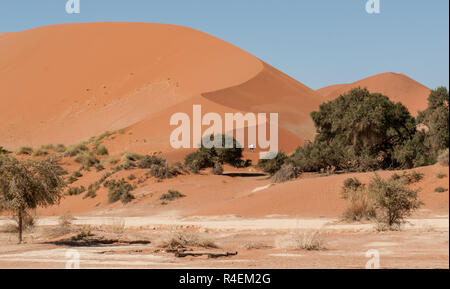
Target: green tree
393	199
436	119
217	155
357	131
26	185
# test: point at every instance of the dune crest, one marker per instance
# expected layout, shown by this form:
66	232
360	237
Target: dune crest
74	81
398	87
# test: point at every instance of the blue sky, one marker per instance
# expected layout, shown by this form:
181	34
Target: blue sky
318	42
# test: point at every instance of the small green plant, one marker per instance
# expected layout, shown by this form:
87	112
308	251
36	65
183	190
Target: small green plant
74	150
101	150
441	175
394	200
92	190
443	157
218	168
119	190
24	151
286	173
361	205
273	165
74	191
171	195
86	159
4	151
60	148
40	152
131	177
440	190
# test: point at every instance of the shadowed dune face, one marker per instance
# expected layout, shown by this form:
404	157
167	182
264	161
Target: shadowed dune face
398	87
66	83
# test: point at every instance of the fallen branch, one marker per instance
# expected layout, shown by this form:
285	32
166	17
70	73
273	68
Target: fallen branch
210	254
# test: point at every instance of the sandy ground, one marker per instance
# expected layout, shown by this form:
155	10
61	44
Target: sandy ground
260	243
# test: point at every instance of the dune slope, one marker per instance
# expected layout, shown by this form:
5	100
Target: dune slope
66	83
398	87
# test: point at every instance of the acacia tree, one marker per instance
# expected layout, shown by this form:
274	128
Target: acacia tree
26	185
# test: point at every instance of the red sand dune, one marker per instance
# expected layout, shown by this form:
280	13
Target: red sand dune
398	87
66	83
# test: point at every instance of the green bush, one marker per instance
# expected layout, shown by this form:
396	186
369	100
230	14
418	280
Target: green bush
128	160
286	173
92	190
25	151
146	162
218	168
436	119
171	195
86	159
73	191
119	190
60	148
440	190
40	152
361	206
161	171
3	151
101	150
393	199
74	150
443	158
271	166
207	157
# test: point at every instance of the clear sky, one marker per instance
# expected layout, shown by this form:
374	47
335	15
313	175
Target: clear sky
318	42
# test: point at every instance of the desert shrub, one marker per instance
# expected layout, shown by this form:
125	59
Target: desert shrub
131	177
218	168
161	171
146	162
74	150
171	195
440	190
206	157
286	173
310	241
3	151
109	161
393	199
40	152
101	150
73	191
183	240
441	175
60	148
47	147
128	160
443	158
98	167
198	160
271	166
119	190
92	190
77	174
86	159
408	178
361	205
25	151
